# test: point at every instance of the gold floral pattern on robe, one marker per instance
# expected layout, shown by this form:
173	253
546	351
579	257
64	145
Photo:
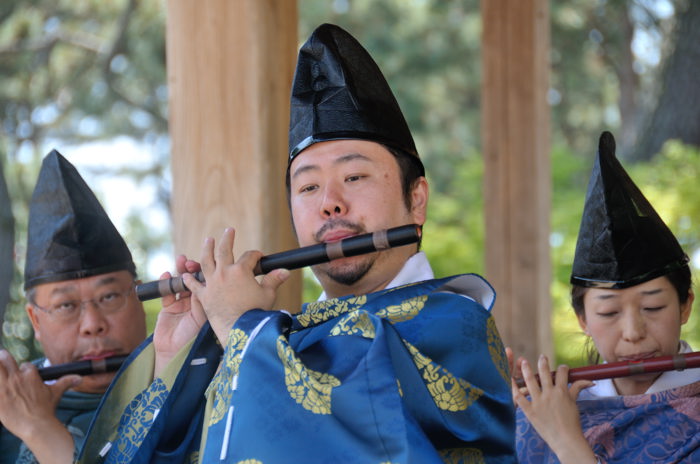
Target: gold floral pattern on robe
408	309
320	311
138	418
498	355
221	384
354	323
449	392
309	388
462	456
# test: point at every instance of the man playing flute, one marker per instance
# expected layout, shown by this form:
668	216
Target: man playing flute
79	280
631	293
389	365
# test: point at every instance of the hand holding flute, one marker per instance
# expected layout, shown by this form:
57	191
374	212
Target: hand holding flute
28	405
232	288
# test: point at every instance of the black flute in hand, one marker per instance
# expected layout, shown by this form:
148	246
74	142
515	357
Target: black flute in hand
87	367
301	257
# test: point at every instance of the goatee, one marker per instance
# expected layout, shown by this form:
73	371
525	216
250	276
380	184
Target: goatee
349	275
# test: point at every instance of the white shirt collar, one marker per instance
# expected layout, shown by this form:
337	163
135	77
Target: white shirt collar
415	269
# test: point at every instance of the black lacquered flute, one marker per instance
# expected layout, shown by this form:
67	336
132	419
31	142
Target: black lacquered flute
301	257
87	367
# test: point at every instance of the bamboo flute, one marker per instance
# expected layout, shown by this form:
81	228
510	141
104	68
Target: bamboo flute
301	257
624	369
87	367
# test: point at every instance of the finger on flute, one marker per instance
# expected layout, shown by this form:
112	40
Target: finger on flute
301	257
677	362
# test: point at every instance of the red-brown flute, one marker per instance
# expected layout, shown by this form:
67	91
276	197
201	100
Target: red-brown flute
301	257
625	368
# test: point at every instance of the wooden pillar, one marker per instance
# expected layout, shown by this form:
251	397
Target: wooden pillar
515	134
230	67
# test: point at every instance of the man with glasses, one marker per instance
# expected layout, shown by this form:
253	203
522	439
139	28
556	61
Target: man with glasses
79	281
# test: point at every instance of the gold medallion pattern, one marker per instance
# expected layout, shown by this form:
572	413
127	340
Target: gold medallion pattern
408	309
449	392
221	384
498	354
307	387
354	323
320	311
137	420
462	456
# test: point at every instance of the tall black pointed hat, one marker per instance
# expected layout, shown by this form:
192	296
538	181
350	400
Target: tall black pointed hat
340	93
69	236
622	241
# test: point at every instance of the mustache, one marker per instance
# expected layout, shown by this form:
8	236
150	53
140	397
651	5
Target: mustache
337	224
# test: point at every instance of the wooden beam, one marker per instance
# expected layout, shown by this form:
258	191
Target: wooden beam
230	68
515	135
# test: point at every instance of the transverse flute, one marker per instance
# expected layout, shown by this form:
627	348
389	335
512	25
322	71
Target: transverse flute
87	367
677	362
301	257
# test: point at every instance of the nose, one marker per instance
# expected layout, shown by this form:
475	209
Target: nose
333	203
92	320
634	326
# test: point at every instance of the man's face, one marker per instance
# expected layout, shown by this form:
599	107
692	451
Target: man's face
349	187
92	332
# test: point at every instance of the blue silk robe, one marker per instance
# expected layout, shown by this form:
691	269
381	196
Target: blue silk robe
662	427
414	374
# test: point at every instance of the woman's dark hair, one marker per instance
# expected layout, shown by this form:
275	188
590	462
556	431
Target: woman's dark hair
681	280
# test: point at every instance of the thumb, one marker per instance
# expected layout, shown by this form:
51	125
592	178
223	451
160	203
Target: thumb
64	383
275	278
579	385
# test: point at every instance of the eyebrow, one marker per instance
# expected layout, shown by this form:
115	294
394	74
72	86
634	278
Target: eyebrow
342	159
609	296
73	288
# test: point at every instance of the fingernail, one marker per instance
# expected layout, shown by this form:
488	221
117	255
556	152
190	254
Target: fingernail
525	366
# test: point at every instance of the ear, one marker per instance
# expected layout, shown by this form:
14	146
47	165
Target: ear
34	319
582	323
419	201
687	307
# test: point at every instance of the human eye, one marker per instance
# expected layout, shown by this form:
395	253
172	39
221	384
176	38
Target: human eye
308	188
654	308
66	307
354	177
607	313
111	296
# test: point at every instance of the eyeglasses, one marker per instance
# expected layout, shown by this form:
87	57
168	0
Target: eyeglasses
70	310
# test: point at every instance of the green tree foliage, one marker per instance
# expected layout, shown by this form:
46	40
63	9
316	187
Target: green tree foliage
73	72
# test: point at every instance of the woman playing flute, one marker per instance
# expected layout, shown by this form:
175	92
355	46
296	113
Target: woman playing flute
631	292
